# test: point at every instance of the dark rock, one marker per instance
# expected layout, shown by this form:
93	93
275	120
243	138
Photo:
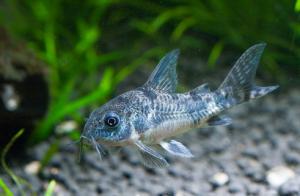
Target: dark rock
61	178
252	169
256	175
294	145
268	164
94	164
242	163
251	152
99	189
290	188
80	178
126	155
134	162
173	172
167	193
114	162
127	175
217	146
273	140
253	189
281	112
187	177
235	187
144	190
292	158
256	135
55	162
151	171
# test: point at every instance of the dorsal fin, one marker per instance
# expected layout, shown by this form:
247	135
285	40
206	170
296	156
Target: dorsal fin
164	77
204	88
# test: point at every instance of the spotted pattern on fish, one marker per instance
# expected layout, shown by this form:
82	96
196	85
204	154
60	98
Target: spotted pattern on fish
154	112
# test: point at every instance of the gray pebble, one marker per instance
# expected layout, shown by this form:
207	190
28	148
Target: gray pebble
251	153
167	193
294	145
279	175
290	188
235	187
219	179
292	158
252	190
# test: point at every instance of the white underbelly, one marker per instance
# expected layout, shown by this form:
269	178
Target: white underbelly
166	130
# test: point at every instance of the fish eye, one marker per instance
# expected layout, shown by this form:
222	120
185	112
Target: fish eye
111	120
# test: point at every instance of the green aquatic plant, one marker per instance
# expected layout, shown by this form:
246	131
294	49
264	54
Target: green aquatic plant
5	189
68	37
50	188
231	24
297	6
17	180
68	45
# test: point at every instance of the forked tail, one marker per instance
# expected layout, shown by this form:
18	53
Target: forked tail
239	85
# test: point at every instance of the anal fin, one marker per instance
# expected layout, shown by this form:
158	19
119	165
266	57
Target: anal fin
176	148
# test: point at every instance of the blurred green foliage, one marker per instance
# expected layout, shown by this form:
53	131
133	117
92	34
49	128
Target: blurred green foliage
91	46
233	24
21	183
50	188
5	189
16	179
67	35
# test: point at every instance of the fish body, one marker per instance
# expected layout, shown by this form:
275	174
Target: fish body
148	116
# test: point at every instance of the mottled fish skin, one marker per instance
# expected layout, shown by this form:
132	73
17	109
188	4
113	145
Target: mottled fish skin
154	112
170	114
157	115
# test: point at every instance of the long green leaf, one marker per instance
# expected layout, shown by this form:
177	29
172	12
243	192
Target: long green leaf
19	181
5	188
50	188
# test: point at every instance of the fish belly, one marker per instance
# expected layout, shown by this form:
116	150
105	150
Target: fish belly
170	129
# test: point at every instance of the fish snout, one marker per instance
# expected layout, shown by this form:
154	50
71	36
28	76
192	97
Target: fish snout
88	130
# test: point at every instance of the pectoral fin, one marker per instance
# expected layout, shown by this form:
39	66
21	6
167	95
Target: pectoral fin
217	121
150	157
176	148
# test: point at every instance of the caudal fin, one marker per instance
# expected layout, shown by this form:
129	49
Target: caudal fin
239	85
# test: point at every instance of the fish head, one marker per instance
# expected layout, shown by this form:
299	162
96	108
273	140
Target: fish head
109	124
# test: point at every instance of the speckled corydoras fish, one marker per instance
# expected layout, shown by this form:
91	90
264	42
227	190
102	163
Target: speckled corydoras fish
149	115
